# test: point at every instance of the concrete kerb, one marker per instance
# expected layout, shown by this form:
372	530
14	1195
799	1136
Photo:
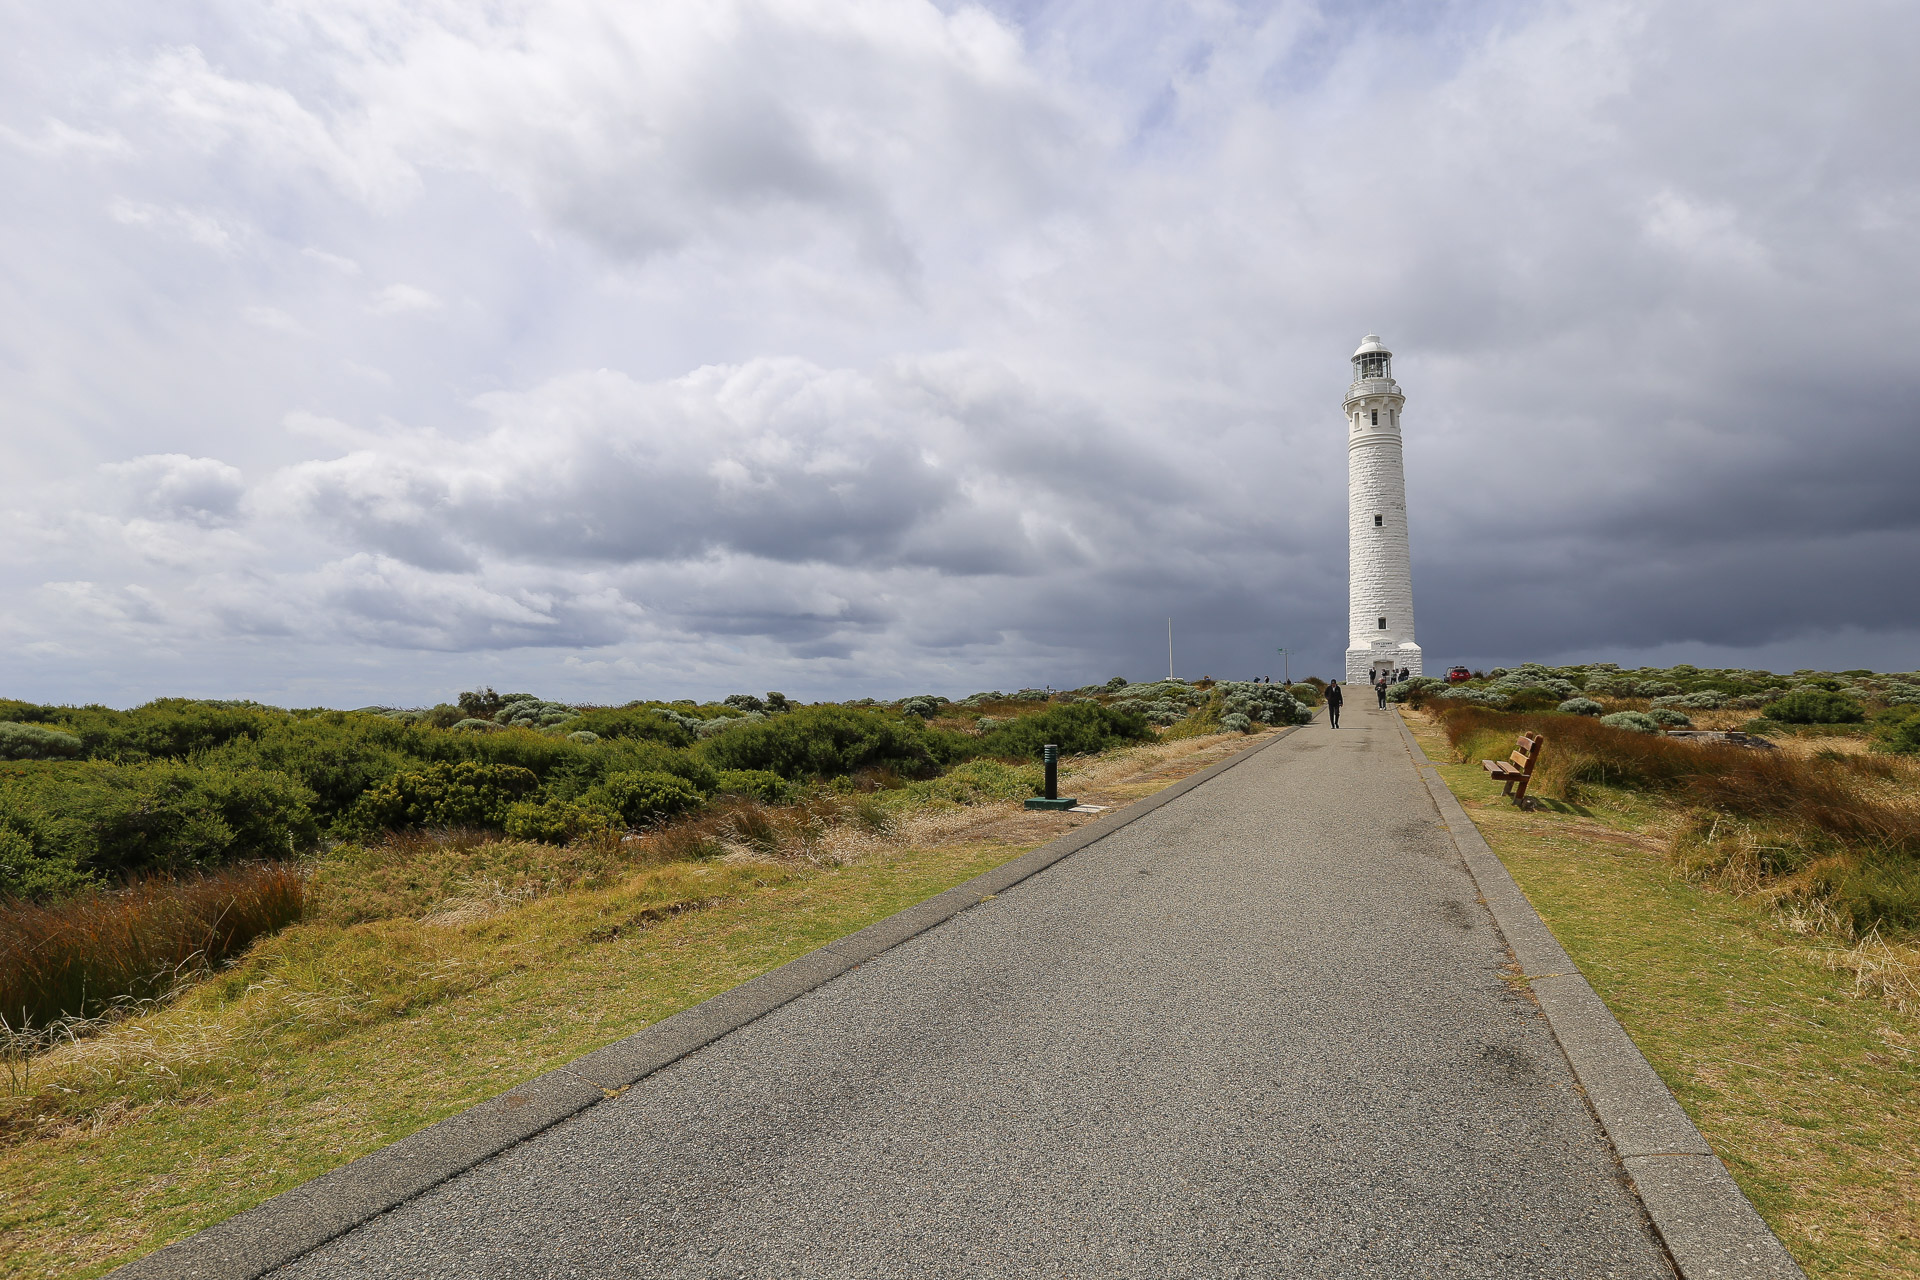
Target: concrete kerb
301	1219
1708	1226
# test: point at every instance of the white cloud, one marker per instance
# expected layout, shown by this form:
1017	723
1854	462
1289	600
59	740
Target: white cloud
345	266
396	299
203	229
273	318
58	138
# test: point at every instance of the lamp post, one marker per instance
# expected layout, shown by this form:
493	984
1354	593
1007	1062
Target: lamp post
1286	659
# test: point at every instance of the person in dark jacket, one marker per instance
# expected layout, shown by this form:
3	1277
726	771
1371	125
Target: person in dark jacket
1334	699
1380	690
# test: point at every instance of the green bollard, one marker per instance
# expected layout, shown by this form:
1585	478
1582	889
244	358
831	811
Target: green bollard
1050	758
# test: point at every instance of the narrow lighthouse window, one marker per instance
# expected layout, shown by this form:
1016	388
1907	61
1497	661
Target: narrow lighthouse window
1376	417
1383	624
1379	521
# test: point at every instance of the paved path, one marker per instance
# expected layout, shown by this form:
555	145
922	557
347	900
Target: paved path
1259	1032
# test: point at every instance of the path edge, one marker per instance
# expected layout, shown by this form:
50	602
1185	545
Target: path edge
1709	1227
301	1219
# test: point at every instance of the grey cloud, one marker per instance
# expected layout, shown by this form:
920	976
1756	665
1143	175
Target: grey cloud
173	486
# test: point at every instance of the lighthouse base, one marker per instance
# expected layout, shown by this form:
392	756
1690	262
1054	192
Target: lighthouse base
1382	655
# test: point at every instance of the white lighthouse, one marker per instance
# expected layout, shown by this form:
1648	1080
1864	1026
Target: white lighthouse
1380	581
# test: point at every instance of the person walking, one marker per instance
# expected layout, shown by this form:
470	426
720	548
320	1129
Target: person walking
1380	690
1334	699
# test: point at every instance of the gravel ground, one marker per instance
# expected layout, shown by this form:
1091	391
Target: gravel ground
1261	1031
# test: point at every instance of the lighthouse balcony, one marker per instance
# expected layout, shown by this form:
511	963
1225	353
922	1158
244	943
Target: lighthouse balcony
1365	387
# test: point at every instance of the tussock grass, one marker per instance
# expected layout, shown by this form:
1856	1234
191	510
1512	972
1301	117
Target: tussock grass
1829	827
72	961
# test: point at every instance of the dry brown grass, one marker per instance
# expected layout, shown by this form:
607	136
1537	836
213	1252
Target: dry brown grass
107	948
1829	840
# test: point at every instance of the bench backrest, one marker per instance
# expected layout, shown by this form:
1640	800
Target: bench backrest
1527	751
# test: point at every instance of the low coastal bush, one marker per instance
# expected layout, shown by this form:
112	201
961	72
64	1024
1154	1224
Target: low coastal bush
1259	703
554	821
1635	721
1815	706
1668	718
758	784
1078	728
1898	730
1580	707
69	824
1413	689
36	742
457	795
640	796
829	742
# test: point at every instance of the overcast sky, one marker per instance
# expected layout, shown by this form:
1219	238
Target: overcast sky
356	351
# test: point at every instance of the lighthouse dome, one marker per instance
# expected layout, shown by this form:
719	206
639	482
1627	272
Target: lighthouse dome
1371	345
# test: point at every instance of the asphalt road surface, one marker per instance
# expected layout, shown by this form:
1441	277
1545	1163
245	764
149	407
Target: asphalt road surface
1262	1031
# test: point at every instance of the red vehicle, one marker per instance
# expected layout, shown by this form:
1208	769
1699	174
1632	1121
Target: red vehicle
1456	674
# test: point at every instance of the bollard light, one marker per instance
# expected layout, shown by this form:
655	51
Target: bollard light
1050	760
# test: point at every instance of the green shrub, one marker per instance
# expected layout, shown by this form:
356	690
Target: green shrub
1814	706
1668	718
979	781
831	742
1638	721
444	795
1406	689
554	821
646	795
1235	722
1077	728
1307	695
1481	697
1163	702
643	723
36	742
524	711
767	788
1259	703
1580	707
1898	730
165	729
85	822
1705	700
922	705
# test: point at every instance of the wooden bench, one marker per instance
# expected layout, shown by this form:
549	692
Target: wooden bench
1517	769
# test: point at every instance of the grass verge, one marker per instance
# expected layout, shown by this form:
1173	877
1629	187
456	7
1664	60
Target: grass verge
1801	1073
434	973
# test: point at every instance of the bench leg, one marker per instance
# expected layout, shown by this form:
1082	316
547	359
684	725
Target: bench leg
1520	796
